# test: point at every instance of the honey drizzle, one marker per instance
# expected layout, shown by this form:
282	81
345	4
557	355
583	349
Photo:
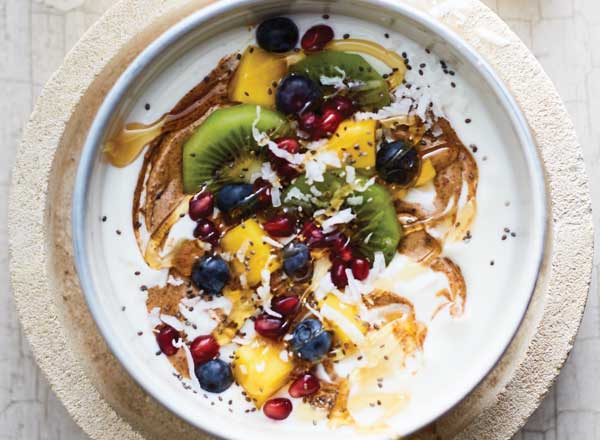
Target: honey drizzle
127	145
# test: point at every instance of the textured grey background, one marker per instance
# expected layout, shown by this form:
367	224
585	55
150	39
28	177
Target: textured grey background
36	34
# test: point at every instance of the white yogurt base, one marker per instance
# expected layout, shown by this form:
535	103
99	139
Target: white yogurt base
453	346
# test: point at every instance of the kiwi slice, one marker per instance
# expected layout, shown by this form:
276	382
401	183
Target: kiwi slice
372	91
376	227
299	196
223	150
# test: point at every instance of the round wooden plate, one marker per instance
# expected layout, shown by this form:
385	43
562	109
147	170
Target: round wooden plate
95	389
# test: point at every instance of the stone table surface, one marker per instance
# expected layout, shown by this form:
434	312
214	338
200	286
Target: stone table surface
36	34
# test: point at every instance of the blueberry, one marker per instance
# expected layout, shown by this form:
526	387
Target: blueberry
214	376
398	162
309	341
297	94
295	260
233	195
279	34
210	274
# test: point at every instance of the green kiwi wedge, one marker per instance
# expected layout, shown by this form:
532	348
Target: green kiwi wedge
223	150
376	227
371	94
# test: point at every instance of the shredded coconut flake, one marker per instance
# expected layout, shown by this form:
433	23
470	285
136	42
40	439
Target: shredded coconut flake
242	251
276	197
335	81
314	171
191	369
174	281
154	317
283	355
172	321
315	191
355	200
295	193
363	188
350	174
341	217
272	242
243	281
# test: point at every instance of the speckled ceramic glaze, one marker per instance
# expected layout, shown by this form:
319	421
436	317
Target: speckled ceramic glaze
50	301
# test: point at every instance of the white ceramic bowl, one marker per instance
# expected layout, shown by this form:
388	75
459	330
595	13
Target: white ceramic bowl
168	57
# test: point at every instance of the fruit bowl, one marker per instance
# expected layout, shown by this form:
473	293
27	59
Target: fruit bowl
501	276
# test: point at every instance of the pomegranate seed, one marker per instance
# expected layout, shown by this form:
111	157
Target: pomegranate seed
345	254
360	268
285	305
336	240
330	121
340	245
341	104
313	234
290	145
308	121
204	348
311	123
262	189
338	274
286	170
277	409
282	166
305	385
201	206
316	38
279	226
207	231
270	326
165	338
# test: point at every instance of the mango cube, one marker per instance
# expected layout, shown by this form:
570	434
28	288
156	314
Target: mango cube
242	309
253	80
250	254
344	320
262	367
427	173
354	142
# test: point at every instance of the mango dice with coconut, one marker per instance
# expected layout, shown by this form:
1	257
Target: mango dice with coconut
343	319
355	143
250	253
262	367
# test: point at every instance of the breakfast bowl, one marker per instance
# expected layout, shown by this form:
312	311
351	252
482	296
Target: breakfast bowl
499	251
503	255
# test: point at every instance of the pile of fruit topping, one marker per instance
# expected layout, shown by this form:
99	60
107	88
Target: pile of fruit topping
297	207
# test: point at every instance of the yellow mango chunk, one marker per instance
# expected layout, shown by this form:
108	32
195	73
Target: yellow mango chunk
354	142
262	367
250	254
243	308
253	80
343	319
427	173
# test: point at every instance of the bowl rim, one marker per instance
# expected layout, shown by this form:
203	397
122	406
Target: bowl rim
187	25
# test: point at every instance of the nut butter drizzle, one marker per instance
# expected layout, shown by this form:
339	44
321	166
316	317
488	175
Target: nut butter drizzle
455	167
